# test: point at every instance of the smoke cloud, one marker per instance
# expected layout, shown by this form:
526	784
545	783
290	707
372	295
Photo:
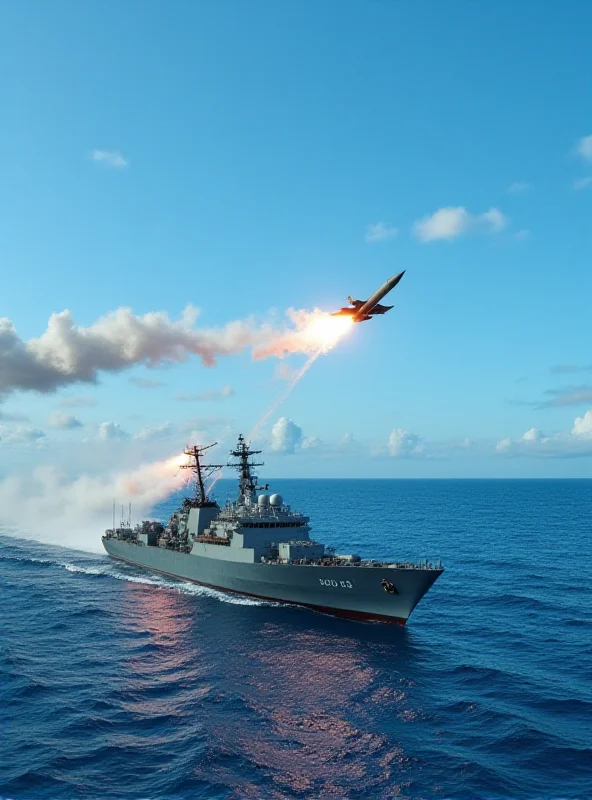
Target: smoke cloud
67	354
48	507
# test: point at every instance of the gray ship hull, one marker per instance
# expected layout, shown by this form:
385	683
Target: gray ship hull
349	591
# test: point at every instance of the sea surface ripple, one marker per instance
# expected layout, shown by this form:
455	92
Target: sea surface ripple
118	683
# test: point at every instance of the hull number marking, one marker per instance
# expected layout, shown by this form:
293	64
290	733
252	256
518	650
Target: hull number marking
331	582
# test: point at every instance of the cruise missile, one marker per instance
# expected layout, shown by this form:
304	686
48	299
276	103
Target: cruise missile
362	310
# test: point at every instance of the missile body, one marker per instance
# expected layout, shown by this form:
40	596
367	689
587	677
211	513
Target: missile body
370	304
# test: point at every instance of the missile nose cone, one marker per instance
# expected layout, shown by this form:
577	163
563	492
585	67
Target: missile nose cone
394	281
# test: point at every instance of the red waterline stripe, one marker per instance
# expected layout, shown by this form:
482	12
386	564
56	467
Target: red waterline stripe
359	616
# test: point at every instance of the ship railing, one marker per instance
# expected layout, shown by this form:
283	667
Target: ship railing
429	564
241	516
333	561
255	510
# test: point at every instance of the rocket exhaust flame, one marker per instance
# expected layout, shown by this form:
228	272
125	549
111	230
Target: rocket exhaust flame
326	331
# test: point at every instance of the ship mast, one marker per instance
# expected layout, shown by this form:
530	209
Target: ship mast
247	480
202	471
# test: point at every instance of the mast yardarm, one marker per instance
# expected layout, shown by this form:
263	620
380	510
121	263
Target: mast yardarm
202	471
247	480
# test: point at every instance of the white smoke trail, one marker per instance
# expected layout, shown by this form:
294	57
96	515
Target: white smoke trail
66	353
47	507
276	403
279	400
322	329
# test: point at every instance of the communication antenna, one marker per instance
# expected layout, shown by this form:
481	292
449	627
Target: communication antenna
202	471
245	466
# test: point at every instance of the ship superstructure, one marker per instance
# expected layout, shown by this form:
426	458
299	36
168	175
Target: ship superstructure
259	546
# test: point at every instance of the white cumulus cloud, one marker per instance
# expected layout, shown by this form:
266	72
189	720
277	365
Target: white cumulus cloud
155	432
286	436
312	443
20	434
577	442
108	431
451	222
380	232
583	425
347	444
403	443
110	158
584	148
63	421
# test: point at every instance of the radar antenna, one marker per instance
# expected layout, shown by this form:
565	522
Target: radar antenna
247	480
202	471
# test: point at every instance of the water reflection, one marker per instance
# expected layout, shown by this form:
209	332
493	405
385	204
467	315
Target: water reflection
302	697
163	669
164	616
267	702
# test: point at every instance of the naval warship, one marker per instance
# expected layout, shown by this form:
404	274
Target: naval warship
258	546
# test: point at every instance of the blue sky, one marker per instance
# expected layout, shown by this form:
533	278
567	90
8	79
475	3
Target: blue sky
235	156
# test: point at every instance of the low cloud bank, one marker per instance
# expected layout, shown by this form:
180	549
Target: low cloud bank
577	442
403	443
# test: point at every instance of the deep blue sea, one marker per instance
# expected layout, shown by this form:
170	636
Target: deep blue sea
117	683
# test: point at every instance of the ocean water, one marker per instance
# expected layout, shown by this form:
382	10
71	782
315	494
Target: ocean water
118	683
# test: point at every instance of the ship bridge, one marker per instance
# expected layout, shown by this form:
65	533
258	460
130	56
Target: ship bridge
253	531
268	512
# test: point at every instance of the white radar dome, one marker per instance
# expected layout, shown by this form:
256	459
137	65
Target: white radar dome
276	500
263	499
